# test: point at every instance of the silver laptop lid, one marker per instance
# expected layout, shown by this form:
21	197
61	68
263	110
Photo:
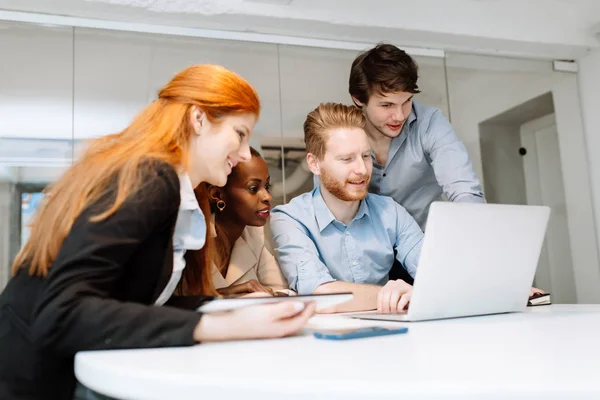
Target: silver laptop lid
477	259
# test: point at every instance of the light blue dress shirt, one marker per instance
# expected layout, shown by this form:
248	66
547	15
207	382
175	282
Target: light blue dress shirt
424	161
314	248
190	234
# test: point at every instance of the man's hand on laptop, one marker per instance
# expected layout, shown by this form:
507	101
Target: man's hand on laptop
394	296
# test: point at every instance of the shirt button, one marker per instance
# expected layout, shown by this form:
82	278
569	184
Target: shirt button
384	175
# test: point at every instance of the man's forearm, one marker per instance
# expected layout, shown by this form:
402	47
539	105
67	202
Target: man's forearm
365	296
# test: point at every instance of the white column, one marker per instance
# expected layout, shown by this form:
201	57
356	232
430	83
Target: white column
589	95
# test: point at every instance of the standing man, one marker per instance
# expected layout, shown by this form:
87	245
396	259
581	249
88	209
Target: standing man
416	154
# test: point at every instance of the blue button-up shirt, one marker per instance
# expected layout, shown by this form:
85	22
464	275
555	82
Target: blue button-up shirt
314	248
424	161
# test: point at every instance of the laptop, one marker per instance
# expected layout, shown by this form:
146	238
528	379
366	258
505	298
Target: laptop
476	259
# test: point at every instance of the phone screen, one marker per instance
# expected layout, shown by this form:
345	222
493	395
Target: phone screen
343	334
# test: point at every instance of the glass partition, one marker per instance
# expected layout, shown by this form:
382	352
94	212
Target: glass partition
36	123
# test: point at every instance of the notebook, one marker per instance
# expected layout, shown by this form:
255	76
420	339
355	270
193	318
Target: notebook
539	299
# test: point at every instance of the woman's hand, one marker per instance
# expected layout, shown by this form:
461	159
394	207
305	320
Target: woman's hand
252	286
255	322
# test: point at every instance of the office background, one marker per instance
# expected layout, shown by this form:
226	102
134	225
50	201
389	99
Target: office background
529	124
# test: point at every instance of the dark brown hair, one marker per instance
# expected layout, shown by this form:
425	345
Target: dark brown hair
325	117
383	69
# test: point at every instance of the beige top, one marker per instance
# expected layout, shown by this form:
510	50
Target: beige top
249	260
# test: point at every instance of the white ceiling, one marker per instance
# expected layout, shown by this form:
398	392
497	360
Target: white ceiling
538	28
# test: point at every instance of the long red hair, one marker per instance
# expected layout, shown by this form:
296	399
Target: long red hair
161	131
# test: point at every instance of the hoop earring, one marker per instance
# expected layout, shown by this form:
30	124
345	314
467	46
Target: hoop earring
221	205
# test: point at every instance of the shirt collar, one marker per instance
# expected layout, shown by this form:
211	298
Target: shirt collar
363	209
324	215
413	114
322	212
186	192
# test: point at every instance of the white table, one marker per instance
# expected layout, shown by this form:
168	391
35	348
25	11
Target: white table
549	352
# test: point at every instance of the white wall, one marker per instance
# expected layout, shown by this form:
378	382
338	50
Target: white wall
589	96
117	74
496	20
36	81
482	87
576	161
512	27
589	89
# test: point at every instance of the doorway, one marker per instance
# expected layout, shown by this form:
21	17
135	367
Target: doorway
544	186
522	165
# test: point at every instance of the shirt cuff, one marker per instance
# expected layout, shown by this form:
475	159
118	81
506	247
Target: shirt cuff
307	285
289	292
469	198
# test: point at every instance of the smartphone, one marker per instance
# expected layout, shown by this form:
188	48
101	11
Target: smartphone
345	334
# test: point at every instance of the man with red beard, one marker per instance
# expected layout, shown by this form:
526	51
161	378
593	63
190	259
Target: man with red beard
339	237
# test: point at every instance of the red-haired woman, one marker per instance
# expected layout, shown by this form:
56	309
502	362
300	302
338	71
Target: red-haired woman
106	248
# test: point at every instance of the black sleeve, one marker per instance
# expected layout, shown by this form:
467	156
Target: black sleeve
77	310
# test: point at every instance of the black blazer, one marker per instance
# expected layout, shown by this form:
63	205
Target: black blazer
98	294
